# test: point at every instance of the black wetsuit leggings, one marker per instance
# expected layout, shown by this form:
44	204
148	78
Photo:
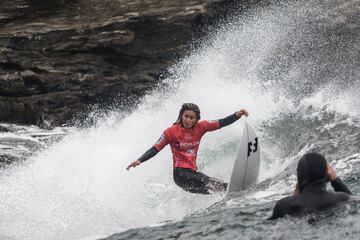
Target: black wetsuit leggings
197	182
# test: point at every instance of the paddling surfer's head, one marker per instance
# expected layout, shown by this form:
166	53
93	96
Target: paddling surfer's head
311	168
189	114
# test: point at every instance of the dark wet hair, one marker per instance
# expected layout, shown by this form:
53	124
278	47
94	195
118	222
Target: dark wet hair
188	106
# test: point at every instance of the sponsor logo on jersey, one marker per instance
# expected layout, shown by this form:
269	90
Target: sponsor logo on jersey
189	144
160	138
212	121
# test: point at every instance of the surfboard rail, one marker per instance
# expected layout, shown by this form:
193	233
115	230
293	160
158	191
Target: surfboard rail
247	161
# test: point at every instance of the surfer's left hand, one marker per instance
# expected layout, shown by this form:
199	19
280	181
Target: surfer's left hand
241	112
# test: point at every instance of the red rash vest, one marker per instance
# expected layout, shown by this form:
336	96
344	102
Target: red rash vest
184	142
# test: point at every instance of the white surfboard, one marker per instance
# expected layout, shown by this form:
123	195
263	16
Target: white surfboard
247	162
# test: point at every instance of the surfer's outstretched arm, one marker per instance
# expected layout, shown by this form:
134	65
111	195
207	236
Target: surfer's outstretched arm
146	156
151	152
232	118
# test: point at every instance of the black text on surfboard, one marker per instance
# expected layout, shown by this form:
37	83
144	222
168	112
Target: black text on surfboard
252	146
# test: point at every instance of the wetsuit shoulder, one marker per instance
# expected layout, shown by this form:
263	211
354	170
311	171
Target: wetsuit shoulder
342	196
208	125
171	131
316	201
164	139
282	207
172	128
201	123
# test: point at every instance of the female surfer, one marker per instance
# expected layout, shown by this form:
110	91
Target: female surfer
184	138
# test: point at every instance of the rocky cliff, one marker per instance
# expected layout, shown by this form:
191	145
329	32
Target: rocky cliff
59	56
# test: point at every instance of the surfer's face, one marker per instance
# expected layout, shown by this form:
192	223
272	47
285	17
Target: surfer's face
188	119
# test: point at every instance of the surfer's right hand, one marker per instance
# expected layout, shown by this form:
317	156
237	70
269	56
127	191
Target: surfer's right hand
331	174
133	164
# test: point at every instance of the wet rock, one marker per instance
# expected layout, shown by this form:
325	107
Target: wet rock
18	111
58	57
11	85
41	4
31	80
6	160
4	129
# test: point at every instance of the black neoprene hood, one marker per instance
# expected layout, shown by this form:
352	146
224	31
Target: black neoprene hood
311	168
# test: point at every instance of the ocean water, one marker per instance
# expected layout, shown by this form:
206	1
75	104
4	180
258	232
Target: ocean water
294	66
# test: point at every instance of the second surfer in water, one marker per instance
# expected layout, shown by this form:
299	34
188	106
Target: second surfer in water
184	138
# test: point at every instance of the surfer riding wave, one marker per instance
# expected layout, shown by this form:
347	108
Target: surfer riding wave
184	138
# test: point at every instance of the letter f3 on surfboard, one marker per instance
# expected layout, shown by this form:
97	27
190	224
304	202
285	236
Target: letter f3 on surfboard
247	161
